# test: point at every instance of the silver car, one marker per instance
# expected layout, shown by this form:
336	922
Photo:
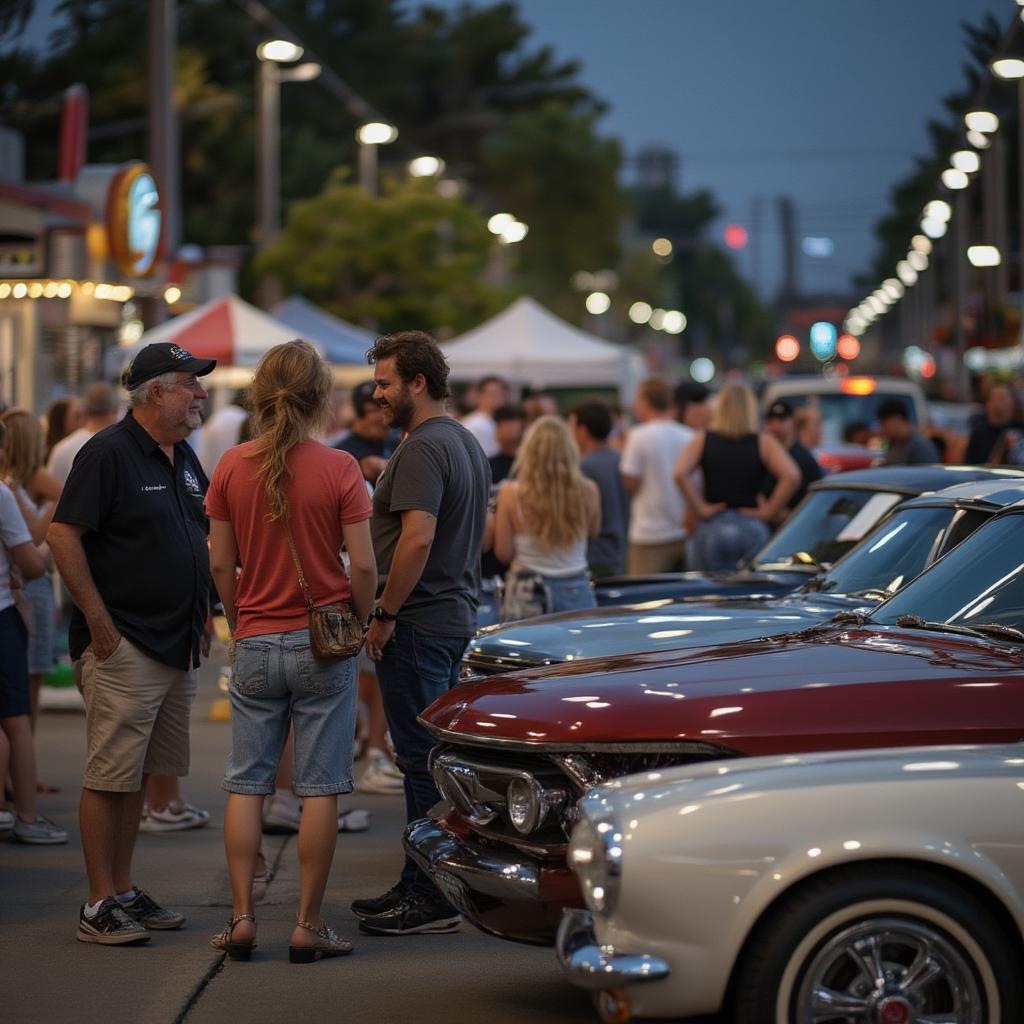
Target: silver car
884	887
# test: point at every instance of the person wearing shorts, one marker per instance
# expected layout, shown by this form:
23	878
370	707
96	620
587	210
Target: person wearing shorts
129	540
283	479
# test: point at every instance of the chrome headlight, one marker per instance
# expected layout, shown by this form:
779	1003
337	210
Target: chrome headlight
595	855
523	803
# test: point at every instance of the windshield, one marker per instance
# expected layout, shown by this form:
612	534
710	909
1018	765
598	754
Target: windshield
898	550
838	410
981	582
824	527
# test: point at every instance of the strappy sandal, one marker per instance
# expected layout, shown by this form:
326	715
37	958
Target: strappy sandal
327	944
234	950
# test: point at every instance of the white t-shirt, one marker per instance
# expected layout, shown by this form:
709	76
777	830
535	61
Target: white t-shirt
64	452
220	432
13	532
657	510
481	426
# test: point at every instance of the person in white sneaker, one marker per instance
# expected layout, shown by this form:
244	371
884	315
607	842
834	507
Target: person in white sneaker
18	552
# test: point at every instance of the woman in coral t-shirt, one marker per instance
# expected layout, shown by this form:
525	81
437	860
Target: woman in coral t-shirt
283	475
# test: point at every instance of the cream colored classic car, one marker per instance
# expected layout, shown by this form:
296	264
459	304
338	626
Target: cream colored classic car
884	887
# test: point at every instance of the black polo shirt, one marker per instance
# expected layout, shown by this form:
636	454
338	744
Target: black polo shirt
145	540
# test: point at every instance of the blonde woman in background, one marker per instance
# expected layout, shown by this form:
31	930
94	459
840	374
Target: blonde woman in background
545	518
36	490
734	458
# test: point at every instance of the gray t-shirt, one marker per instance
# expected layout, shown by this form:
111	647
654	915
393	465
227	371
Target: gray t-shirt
608	549
439	468
915	451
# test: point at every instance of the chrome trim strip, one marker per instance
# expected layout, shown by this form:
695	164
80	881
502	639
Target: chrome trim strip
695	747
589	965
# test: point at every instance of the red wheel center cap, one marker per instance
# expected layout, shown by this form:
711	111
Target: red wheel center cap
894	1010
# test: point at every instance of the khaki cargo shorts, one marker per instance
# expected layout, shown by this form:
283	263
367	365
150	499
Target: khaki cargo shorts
136	718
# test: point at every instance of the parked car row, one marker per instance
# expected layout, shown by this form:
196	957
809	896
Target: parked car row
641	784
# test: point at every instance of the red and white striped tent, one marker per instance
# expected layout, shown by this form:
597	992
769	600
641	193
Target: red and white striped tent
229	330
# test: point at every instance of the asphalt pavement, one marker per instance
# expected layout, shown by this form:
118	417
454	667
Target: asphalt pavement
48	976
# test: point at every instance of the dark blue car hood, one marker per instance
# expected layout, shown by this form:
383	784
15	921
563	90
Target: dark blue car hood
650	626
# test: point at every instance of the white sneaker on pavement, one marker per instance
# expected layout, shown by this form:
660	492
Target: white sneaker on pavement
41	832
282	812
175	817
380	776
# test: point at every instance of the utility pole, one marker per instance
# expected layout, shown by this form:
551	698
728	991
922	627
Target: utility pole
163	140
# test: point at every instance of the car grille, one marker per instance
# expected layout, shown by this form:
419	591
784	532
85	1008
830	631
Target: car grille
475	780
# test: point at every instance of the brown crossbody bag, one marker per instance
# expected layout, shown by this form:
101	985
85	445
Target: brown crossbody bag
335	632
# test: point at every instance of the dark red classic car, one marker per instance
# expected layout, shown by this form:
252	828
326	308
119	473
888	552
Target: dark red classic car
941	662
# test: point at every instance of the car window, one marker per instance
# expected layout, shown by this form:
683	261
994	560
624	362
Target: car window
897	550
825	525
838	409
981	581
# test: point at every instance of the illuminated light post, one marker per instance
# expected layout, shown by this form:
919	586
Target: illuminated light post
426	167
270	75
370	136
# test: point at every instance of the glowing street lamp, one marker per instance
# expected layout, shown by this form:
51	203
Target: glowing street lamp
270	75
426	167
966	160
370	136
984	256
982	121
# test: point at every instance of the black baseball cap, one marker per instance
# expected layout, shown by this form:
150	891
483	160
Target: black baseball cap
363	393
779	411
163	357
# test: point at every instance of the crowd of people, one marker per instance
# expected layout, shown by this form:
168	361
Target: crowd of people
271	510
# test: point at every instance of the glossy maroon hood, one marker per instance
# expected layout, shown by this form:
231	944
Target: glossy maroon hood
837	689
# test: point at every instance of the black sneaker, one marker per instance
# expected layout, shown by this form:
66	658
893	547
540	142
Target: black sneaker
144	909
378	904
110	926
415	914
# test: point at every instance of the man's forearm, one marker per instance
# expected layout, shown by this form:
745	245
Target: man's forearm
407	565
73	567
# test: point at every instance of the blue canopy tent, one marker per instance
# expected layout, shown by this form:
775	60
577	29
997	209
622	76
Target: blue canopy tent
341	342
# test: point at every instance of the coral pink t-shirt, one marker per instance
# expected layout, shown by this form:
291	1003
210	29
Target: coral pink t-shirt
326	490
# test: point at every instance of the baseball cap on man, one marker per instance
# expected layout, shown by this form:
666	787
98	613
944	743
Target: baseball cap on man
163	357
779	411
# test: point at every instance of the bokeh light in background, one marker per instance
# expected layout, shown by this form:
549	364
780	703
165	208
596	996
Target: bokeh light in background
847	347
662	247
598	303
640	312
702	370
736	236
918	363
823	337
787	348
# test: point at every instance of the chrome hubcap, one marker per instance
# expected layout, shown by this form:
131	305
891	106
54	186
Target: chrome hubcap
890	970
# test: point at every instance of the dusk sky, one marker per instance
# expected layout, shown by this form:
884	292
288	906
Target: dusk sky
822	100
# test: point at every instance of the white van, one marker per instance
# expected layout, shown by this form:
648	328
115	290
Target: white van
846	400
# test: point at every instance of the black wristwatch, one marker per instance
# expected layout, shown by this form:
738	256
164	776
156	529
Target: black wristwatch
383	616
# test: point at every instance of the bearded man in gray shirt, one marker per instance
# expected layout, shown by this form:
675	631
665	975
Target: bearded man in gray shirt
429	518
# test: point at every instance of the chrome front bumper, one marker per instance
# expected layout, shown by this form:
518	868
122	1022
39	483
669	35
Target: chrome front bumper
459	868
589	965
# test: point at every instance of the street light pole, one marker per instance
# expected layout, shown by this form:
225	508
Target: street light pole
960	293
268	151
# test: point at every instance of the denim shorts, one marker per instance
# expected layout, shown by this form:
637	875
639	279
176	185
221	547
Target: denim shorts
276	681
42	637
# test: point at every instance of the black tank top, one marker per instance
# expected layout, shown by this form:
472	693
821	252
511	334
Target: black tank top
733	470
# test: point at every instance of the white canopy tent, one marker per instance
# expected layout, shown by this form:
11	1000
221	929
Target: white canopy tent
531	347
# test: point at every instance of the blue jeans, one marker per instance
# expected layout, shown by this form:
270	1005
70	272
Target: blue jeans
275	682
529	594
728	538
415	670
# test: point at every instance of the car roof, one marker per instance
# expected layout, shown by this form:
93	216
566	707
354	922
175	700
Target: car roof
914	480
995	494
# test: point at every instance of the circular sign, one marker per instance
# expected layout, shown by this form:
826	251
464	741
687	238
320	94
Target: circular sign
134	220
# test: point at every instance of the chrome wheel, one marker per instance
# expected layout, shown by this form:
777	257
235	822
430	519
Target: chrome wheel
889	970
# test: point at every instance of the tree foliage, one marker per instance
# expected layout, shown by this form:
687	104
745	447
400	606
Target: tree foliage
408	256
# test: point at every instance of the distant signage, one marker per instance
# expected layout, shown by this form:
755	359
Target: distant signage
134	220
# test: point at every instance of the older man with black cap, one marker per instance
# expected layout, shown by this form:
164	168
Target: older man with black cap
129	539
778	421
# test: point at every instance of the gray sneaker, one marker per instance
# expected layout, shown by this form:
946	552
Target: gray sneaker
41	832
109	926
144	909
6	823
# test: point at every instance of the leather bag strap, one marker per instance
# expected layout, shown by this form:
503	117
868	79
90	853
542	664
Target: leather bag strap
298	565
